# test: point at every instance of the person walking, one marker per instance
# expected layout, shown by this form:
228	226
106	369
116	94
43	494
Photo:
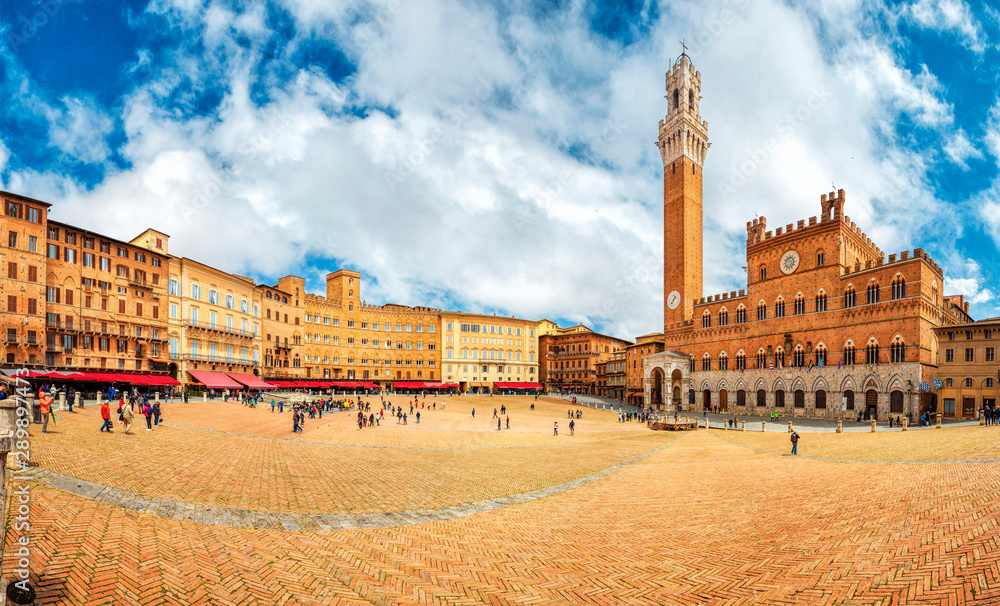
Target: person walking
281	406
126	415
473	413
273	404
572	427
498	424
555	428
795	442
508	421
106	415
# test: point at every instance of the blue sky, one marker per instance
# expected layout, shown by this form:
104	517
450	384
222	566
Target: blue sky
498	156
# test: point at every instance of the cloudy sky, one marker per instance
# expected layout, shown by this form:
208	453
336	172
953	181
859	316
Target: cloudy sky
498	156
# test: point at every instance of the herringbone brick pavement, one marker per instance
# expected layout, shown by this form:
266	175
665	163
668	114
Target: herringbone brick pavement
704	521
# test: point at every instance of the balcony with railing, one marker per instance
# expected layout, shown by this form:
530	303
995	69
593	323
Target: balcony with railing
239	332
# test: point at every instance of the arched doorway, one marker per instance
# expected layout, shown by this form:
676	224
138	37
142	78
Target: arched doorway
706	398
871	404
723	400
676	380
656	388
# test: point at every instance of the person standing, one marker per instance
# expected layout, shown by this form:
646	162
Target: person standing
147	411
418	416
572	427
45	403
508	421
795	442
473	413
498	423
156	414
555	429
126	415
106	415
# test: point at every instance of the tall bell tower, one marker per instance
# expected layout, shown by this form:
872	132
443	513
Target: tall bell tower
683	143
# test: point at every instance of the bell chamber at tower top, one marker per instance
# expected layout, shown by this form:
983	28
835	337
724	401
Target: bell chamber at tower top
683	132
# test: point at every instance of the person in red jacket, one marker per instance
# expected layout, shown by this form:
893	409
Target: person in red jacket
45	403
106	415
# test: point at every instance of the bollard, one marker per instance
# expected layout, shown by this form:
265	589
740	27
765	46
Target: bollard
98	398
77	401
763	426
982	420
725	425
873	425
743	427
706	423
204	396
789	427
157	396
61	403
906	422
938	420
840	426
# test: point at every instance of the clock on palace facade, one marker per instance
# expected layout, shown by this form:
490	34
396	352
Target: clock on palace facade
789	262
673	299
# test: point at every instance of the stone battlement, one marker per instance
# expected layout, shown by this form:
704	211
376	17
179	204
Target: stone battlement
918	253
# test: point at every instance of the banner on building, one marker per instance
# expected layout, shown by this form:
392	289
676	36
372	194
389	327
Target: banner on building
925	386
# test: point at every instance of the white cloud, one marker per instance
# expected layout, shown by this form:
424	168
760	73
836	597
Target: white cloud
954	16
505	160
971	286
80	128
960	149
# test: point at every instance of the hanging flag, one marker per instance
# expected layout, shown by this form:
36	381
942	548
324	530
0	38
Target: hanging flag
938	384
925	386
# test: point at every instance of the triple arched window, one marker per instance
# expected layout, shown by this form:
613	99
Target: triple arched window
873	293
849	353
723	318
821	301
871	353
741	315
850	297
800	305
898	288
897	352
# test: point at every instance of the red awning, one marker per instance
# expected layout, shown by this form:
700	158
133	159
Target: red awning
251	381
410	384
502	385
161	380
517	385
214	380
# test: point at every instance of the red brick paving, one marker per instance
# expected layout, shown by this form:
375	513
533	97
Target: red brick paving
702	522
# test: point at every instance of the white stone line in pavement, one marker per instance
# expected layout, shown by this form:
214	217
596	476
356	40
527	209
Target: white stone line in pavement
874	462
244	518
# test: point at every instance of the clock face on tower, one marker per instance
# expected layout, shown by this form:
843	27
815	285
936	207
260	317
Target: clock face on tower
673	299
789	262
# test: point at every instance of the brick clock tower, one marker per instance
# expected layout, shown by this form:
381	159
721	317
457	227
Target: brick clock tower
683	144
